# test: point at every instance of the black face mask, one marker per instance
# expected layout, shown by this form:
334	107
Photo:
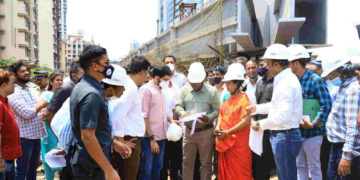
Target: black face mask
217	80
108	71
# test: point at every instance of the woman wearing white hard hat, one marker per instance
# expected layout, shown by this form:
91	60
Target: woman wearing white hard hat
233	129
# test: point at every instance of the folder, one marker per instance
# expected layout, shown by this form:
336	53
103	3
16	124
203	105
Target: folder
310	109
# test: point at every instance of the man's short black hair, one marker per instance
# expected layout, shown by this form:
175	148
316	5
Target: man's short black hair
303	61
137	64
282	63
160	71
91	54
74	67
251	60
15	66
169	56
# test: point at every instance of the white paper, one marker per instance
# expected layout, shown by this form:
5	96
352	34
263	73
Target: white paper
53	160
256	141
192	117
193	127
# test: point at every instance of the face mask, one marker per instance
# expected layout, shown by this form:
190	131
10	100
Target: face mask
217	80
108	71
336	82
164	84
262	71
171	66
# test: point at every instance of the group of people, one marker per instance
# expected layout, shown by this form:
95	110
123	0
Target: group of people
117	119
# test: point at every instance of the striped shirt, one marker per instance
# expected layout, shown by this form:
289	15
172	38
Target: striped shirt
23	103
66	138
342	125
313	87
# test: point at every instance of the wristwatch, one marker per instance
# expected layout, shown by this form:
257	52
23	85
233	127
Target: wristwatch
152	137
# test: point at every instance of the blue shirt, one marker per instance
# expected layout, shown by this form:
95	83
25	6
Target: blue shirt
88	110
342	125
313	87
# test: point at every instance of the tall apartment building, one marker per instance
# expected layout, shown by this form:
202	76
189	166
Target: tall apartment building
166	12
19	35
74	46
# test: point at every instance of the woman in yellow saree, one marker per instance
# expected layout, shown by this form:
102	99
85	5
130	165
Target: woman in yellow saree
233	130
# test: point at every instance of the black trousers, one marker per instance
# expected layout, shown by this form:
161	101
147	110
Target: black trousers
262	165
66	172
172	160
324	157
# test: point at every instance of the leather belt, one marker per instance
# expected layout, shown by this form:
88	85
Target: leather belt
283	131
208	126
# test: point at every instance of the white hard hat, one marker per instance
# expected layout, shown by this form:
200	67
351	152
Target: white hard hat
297	51
276	51
197	73
235	71
332	60
118	78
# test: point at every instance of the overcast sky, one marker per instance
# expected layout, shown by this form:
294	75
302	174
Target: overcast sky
113	23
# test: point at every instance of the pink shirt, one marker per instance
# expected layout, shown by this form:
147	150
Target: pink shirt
154	108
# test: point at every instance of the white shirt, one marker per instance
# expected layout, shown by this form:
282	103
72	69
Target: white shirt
126	115
250	90
170	98
285	109
179	79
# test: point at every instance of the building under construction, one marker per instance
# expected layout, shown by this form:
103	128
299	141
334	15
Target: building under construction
225	29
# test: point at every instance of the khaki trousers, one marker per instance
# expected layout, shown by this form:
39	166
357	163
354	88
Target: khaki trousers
202	141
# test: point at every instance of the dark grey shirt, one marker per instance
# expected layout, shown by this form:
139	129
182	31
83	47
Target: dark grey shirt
263	94
88	110
60	96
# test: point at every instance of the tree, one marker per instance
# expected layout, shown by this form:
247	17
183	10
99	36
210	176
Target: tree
7	62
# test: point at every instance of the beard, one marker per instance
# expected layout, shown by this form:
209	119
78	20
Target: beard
23	80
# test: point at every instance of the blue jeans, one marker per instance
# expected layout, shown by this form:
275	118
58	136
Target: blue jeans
286	147
9	172
335	157
151	164
27	164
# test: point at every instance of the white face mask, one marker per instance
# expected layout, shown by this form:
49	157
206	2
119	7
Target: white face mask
171	66
164	84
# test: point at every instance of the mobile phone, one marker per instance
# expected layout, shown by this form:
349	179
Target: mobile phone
219	133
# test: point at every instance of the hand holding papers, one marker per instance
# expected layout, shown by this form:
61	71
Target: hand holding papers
256	140
194	118
54	158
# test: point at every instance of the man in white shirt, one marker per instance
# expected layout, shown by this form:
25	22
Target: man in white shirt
251	68
128	124
177	78
284	112
173	150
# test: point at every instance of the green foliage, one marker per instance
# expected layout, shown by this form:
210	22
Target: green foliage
40	68
7	62
132	52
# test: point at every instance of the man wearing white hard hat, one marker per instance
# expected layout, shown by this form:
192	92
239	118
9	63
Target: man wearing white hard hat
198	97
342	126
315	94
128	124
284	112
